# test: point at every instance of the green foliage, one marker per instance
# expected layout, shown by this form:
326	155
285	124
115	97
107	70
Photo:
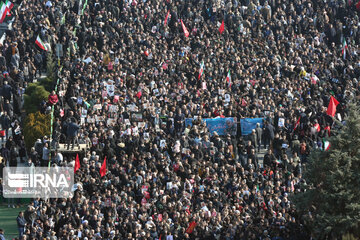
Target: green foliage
48	84
50	66
31	88
33	96
333	178
36	125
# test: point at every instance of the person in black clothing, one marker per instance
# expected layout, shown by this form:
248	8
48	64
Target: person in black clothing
14	154
5	124
269	159
6	91
268	135
71	133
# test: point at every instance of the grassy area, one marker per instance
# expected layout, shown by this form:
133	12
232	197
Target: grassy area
8	220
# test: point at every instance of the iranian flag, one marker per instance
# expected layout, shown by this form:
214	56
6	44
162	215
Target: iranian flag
228	79
297	123
222	27
201	70
40	43
3	11
166	18
9	6
345	46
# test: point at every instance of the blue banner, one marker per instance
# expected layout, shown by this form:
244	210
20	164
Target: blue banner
222	126
248	124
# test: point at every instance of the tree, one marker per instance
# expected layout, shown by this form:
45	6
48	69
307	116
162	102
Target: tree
50	66
330	203
36	126
33	97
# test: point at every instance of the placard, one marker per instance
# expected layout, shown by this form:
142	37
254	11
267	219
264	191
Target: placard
113	108
281	122
99	118
83	113
97	107
111	122
90	119
104	94
137	116
110	90
132	108
79	100
116	99
227	98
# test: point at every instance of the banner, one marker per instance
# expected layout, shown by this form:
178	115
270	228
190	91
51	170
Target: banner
222	126
248	124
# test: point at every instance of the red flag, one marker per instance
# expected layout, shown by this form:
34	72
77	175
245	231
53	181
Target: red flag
103	168
191	227
331	110
358	6
139	94
297	123
166	18
317	127
77	163
327	128
222	27
186	32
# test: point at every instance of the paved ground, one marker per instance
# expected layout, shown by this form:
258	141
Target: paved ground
261	155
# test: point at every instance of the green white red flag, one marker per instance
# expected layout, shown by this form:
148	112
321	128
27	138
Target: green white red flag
166	18
345	47
201	70
297	123
9	6
40	43
228	79
3	11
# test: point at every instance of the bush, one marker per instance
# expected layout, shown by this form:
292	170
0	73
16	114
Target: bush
33	97
31	88
48	83
36	125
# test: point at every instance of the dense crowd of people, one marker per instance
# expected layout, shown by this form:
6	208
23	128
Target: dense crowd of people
129	79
